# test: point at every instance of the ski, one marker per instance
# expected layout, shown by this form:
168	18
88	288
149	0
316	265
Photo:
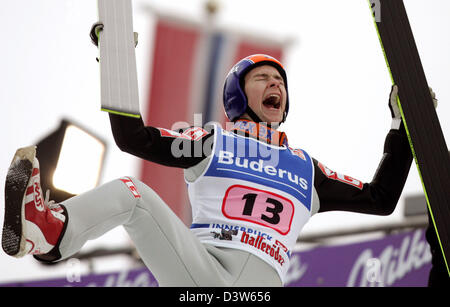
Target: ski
118	73
418	113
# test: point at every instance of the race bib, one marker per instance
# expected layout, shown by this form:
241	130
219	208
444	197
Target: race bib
259	207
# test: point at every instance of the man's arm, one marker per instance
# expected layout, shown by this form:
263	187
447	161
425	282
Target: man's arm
170	148
162	146
380	196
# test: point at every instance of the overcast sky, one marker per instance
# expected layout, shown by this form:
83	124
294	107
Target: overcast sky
338	82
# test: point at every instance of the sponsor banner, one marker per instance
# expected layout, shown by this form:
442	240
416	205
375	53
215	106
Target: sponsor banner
132	278
401	260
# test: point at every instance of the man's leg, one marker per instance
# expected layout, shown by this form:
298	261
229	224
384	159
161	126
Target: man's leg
168	248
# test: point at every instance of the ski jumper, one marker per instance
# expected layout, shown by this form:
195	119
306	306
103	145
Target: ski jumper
251	194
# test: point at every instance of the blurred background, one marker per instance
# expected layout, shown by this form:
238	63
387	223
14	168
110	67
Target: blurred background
338	86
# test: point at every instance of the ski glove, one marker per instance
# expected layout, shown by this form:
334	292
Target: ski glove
395	111
95	31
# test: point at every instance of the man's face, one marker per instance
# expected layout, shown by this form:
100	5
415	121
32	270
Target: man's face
266	93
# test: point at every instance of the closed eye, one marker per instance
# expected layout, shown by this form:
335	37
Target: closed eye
265	77
260	77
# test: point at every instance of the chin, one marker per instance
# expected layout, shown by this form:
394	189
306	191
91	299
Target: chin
273	119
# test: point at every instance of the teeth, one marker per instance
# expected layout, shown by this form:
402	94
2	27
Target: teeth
274	96
272	101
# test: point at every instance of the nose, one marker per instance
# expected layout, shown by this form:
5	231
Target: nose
274	82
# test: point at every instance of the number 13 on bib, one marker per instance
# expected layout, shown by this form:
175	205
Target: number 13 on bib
259	207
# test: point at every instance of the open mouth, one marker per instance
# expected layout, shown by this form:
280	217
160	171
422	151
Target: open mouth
272	101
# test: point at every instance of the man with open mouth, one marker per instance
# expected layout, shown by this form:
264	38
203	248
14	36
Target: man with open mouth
248	208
